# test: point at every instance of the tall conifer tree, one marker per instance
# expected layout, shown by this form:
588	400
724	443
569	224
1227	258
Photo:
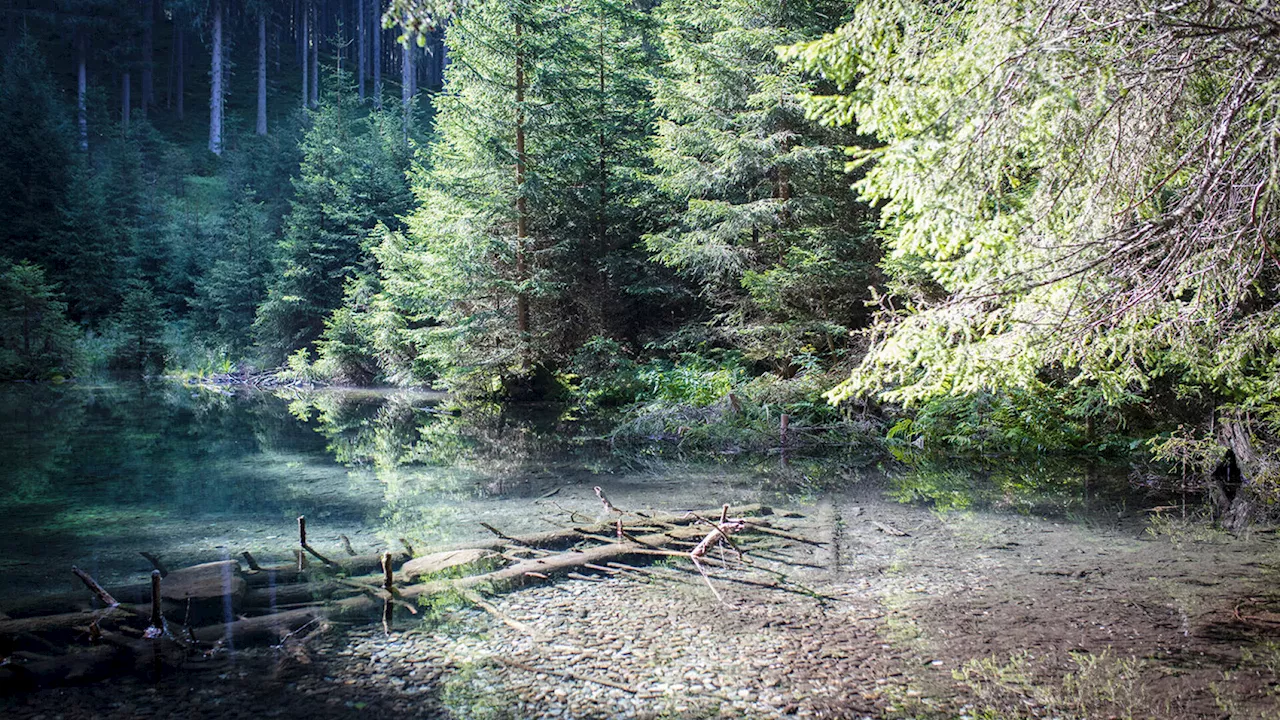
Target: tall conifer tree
766	222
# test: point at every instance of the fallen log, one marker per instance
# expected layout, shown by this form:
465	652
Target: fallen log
81	666
289	574
266	589
77	622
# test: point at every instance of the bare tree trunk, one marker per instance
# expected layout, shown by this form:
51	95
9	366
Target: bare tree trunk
262	73
361	12
304	41
180	82
522	207
82	115
148	49
125	101
377	54
406	84
316	35
602	139
168	75
215	83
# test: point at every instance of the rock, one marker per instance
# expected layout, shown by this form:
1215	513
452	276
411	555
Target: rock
441	561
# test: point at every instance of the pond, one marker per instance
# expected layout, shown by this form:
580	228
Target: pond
931	589
96	474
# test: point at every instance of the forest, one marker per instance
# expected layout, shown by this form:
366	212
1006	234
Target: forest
989	227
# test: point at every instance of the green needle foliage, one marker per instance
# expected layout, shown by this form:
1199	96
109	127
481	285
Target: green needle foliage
521	246
764	220
37	341
350	182
1089	188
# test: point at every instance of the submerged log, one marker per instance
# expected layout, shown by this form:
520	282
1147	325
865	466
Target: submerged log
267	589
289	574
447	560
92	663
76	623
205	581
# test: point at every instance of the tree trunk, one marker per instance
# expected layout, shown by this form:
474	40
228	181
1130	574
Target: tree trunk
406	84
180	82
1236	483
125	101
82	115
148	49
262	73
361	12
316	36
304	41
377	54
215	83
522	207
602	139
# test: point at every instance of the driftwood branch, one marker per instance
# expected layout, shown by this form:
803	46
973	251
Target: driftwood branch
98	590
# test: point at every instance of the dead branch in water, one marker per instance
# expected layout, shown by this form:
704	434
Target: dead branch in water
103	595
155	563
287	605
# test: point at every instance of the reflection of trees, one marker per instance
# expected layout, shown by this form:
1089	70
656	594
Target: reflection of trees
424	459
37	426
1042	486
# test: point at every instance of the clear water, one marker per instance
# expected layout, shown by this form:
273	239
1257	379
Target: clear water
93	474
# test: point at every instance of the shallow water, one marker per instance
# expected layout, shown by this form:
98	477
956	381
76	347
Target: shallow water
93	474
1021	578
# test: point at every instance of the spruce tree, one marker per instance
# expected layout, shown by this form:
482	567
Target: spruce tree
228	295
766	222
527	198
352	178
35	157
36	339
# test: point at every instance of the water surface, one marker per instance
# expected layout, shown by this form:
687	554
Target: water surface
93	474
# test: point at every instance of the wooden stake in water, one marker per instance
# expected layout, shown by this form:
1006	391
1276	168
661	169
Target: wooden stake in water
388	579
157	620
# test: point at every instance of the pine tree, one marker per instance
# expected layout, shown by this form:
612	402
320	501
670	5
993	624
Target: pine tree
36	339
527	192
766	223
227	296
140	326
351	179
35	156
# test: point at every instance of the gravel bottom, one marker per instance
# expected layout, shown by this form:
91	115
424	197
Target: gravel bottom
677	650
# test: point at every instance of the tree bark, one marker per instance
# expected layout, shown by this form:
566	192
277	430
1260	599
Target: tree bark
180	73
377	54
82	116
215	83
406	84
125	101
1235	488
522	206
316	36
304	41
148	50
262	73
361	12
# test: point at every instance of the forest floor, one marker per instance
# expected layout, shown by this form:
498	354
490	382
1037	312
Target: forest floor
963	615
